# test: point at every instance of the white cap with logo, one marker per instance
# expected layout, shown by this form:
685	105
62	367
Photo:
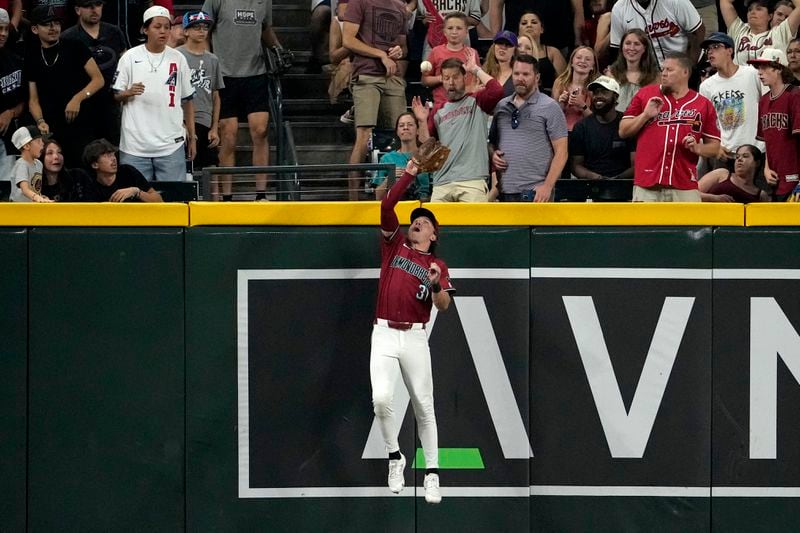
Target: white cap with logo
771	56
156	11
607	82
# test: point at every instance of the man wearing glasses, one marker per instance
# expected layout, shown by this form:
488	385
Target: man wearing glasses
528	138
735	91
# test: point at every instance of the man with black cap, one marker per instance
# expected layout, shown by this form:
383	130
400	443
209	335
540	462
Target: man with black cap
61	76
735	91
107	43
596	149
412	280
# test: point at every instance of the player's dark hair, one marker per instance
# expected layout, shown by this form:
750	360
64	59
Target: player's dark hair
95	149
454	63
457	15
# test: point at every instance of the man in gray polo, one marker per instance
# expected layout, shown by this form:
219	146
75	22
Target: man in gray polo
528	138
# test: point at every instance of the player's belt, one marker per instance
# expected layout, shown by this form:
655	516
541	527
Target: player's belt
403	326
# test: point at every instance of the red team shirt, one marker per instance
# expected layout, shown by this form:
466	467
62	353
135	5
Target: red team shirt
404	291
778	125
661	159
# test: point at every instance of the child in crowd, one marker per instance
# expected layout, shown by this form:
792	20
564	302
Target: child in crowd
26	178
455	30
207	81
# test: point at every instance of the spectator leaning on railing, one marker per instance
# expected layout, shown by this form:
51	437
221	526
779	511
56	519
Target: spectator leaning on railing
110	182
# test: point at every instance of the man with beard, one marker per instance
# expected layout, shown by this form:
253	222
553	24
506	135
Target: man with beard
528	138
460	123
596	149
107	43
674	126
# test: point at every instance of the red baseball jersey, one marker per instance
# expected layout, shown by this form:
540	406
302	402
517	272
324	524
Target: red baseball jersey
778	126
661	158
404	292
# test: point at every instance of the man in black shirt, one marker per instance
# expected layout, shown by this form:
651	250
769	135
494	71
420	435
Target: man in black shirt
61	76
596	149
13	94
107	43
110	182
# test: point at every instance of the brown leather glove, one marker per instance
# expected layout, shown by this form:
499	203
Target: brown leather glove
431	155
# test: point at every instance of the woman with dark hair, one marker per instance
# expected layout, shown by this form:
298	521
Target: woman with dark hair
406	128
739	185
551	62
59	184
636	66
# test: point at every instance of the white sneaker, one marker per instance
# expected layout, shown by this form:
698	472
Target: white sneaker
396	479
432	493
349	116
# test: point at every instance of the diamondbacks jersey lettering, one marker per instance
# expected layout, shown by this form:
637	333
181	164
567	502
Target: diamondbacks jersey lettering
667	22
404	292
11	82
778	126
661	158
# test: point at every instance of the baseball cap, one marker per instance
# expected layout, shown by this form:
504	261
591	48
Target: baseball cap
771	56
4	18
156	11
606	82
43	15
196	17
423	212
87	3
506	36
718	37
24	135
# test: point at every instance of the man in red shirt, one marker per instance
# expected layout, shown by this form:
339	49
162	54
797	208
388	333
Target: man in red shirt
779	122
412	280
675	126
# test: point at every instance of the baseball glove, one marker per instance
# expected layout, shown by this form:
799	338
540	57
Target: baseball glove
431	155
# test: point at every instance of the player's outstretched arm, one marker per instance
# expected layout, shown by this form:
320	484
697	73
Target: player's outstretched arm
389	222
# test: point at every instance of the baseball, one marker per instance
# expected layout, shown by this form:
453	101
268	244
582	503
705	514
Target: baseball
425	66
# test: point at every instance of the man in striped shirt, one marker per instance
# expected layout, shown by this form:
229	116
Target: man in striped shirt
528	138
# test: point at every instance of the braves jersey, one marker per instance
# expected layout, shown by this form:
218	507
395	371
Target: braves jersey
667	22
404	292
749	45
778	126
661	158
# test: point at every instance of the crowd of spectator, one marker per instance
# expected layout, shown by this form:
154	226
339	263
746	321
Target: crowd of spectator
599	90
524	93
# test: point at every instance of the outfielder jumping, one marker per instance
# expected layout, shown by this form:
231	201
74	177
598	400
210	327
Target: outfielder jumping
412	279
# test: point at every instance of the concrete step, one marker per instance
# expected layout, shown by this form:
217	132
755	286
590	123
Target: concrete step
308	133
305	85
291	15
295	38
315	106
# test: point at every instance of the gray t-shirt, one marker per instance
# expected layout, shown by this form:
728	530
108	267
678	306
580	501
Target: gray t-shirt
528	147
24	171
206	78
236	34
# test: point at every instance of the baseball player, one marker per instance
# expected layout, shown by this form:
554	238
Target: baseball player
675	125
779	122
673	25
412	279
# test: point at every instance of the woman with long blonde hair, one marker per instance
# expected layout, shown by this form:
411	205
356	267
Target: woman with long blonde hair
636	66
570	88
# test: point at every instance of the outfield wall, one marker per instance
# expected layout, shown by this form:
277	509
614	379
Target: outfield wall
603	368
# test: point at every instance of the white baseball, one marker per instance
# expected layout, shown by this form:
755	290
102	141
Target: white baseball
425	66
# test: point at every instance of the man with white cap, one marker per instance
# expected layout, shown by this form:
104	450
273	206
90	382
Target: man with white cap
779	121
596	149
153	82
12	97
26	177
735	91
